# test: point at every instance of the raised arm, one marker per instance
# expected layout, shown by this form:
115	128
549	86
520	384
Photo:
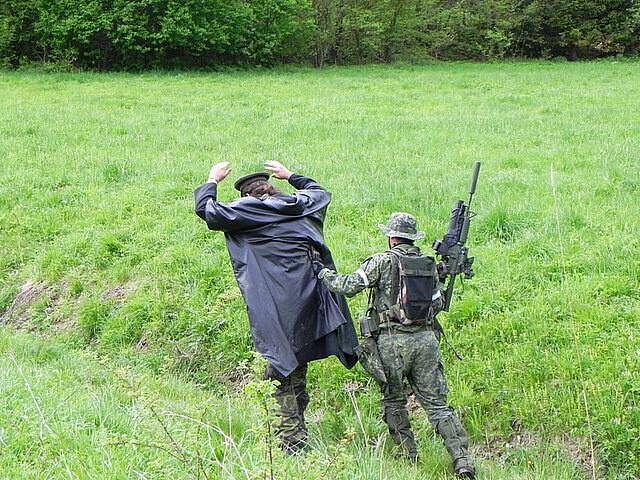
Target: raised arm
209	190
202	195
299	182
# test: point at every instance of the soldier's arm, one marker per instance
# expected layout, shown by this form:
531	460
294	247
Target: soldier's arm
367	276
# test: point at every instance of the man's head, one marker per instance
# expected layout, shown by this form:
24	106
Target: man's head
256	185
401	228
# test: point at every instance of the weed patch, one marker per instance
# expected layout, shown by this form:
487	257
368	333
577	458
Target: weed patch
501	224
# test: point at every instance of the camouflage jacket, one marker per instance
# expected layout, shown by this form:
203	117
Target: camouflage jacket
376	273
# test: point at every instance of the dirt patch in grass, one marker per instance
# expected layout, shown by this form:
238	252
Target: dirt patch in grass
238	378
579	451
18	312
119	293
502	449
65	325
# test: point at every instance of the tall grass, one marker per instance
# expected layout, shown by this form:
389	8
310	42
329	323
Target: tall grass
95	196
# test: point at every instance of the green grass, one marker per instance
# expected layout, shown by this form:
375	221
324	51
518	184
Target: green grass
137	299
78	415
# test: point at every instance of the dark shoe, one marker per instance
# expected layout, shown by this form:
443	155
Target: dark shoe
465	471
294	448
402	454
463	468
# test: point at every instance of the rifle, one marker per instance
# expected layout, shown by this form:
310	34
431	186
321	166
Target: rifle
451	248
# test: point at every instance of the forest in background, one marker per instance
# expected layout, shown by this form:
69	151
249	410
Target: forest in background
148	34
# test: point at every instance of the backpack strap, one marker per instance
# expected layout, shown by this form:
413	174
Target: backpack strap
395	271
395	313
370	301
371	294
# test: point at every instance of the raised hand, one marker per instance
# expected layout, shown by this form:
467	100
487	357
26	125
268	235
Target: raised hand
219	172
278	170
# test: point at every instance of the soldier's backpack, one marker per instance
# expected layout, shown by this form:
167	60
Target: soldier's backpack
414	286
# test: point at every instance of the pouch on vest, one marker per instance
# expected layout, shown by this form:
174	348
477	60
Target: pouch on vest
369	358
369	325
414	286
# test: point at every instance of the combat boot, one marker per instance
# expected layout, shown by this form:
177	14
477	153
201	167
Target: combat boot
456	441
463	468
397	420
294	447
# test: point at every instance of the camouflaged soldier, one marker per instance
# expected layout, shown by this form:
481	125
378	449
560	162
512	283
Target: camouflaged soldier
400	349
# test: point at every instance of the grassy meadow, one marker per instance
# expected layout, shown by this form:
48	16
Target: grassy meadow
124	347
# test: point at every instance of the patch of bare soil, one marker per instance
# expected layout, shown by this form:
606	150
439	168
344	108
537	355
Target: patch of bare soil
579	451
520	438
576	449
65	325
119	293
18	313
238	378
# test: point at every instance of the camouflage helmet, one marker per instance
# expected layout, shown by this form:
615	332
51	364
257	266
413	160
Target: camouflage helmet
401	225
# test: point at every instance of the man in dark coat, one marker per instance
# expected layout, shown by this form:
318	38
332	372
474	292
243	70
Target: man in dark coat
272	239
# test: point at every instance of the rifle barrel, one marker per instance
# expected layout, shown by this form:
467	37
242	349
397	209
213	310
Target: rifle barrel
474	178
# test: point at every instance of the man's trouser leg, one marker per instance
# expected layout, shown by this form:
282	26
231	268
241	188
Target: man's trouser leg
292	398
396	416
430	386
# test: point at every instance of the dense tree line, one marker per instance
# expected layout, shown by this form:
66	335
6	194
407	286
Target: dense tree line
136	34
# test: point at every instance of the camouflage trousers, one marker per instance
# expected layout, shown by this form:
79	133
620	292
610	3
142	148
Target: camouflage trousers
416	357
292	398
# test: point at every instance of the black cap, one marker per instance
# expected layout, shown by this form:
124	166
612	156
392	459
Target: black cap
252	177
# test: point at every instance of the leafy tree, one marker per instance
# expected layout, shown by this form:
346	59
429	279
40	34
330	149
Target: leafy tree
138	34
579	28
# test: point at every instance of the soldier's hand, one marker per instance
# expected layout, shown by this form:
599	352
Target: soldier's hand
317	266
219	172
278	170
316	261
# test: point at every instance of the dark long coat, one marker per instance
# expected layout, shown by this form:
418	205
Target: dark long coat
293	318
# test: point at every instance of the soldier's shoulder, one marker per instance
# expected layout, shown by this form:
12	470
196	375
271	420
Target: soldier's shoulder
377	258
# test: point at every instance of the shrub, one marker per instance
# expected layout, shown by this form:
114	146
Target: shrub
142	34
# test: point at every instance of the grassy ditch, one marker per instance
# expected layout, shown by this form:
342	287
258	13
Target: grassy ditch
101	254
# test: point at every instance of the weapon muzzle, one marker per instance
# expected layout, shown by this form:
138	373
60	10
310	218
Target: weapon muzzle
474	178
